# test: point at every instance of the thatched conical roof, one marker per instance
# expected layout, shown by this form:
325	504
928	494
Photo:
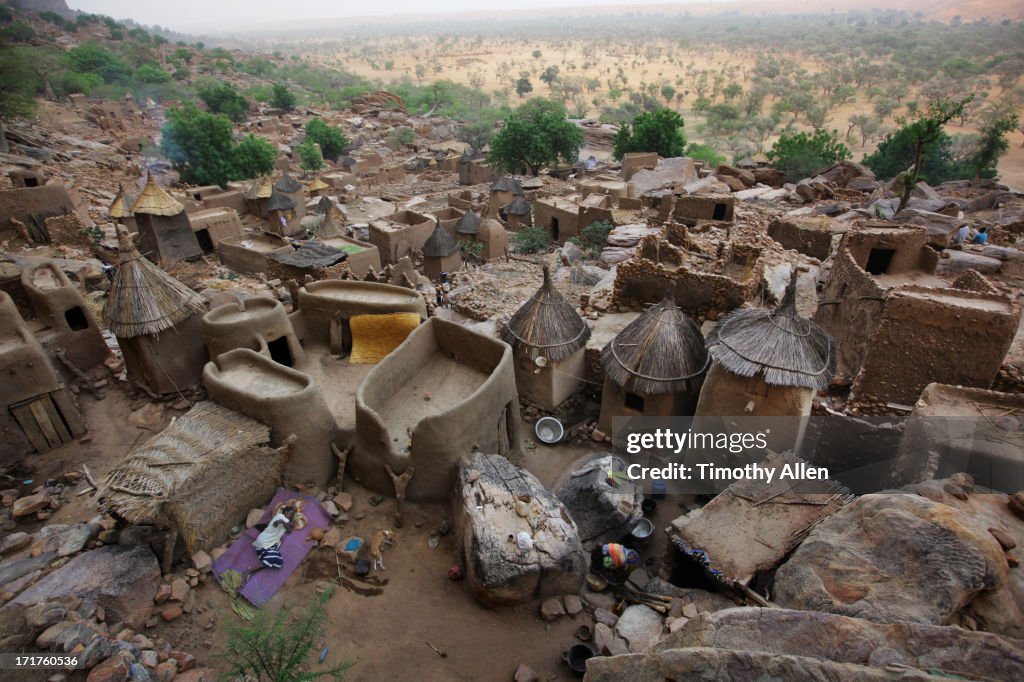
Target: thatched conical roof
440	244
779	345
547	325
518	206
143	299
119	206
468	224
662	351
317	184
507	184
279	201
155	201
261	188
287	184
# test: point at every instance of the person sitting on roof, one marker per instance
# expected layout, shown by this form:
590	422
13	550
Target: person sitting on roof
268	543
982	236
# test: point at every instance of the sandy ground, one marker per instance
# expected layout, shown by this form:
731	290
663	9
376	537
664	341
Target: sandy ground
382	623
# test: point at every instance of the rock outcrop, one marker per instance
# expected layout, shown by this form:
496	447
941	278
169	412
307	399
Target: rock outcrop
604	509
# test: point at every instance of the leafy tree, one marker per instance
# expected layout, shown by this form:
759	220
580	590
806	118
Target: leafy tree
201	147
18	84
402	136
993	144
550	75
723	118
799	155
282	97
732	91
895	154
18	33
536	135
478	132
151	73
668	92
332	141
536	54
659	131
523	86
91	57
278	646
222	98
593	238
310	157
918	134
705	153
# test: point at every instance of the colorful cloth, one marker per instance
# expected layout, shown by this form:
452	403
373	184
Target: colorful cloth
618	556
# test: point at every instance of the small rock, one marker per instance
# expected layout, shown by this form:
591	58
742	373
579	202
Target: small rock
343	501
551	609
170	613
525	673
114	669
202	561
25	506
253	517
573	605
163	593
605	616
678	624
332	538
1003	538
330	508
597	435
955	490
690	611
166	671
14	542
149	658
179	590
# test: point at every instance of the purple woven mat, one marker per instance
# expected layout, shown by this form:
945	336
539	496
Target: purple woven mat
295	546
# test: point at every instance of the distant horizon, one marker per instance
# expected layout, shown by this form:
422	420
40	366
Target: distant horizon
228	15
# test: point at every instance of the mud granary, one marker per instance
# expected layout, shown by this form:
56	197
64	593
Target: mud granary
899	327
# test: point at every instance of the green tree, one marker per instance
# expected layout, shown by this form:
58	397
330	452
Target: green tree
800	155
993	144
732	91
922	130
310	158
18	84
705	153
652	131
549	76
282	97
523	86
530	240
201	147
536	135
151	73
253	157
91	57
279	646
668	92
222	98
895	154
332	141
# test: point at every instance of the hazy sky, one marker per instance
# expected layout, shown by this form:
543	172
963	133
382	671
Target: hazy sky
193	14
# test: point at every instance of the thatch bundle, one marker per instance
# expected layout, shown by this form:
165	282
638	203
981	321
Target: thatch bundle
546	326
119	207
468	224
261	188
180	456
440	243
662	351
779	345
287	184
518	206
279	201
507	184
143	299
155	201
317	184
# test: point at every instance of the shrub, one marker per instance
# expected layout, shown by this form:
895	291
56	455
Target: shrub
530	240
332	141
658	131
222	98
594	236
310	158
800	155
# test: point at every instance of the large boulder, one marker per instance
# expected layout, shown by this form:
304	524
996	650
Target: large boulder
854	640
494	502
742	174
840	174
604	509
892	557
121	579
713	665
772	177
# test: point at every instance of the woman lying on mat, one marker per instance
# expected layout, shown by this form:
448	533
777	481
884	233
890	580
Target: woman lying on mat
268	543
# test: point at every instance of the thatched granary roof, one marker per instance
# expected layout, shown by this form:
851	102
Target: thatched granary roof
287	184
440	244
261	188
507	184
143	299
779	345
662	351
155	201
119	207
468	224
547	325
518	206
279	201
317	184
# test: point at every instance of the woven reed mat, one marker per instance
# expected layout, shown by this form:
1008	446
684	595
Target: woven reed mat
374	336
